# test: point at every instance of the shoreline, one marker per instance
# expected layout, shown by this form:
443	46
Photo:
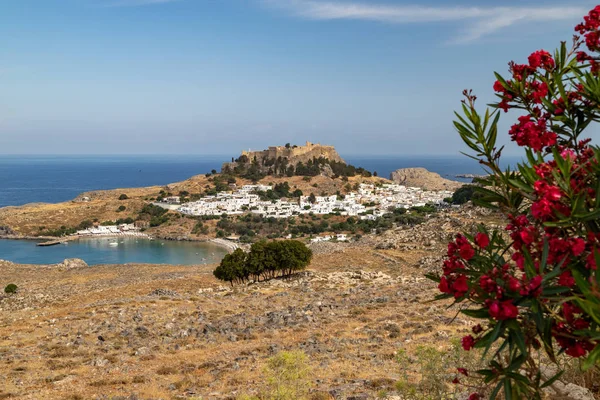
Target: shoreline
229	246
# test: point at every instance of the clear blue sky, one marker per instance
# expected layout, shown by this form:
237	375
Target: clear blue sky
209	76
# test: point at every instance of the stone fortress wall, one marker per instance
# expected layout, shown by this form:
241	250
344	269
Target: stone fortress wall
293	154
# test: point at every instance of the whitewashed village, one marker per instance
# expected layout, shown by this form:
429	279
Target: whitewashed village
370	202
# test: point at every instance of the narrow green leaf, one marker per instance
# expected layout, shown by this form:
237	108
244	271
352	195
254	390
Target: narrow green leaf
591	359
552	380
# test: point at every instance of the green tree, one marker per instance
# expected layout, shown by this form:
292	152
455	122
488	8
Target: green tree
232	267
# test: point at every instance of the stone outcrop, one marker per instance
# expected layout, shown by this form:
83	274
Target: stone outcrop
6	231
71	263
420	177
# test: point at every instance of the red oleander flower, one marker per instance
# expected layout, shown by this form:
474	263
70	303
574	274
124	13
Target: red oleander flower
514	284
482	240
468	342
466	251
532	133
498	87
463	371
542	209
487	284
460	286
541	58
566	279
502	310
540	91
443	286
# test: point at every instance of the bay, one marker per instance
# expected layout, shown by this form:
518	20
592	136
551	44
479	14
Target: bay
96	251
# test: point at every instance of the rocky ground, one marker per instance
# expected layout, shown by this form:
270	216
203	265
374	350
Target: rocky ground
168	332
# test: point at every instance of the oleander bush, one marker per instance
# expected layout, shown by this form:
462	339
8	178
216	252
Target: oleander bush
534	285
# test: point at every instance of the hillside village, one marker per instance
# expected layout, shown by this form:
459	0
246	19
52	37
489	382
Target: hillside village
370	202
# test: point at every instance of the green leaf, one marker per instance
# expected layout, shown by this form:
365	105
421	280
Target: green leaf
552	380
507	389
481	313
592	359
496	390
518	338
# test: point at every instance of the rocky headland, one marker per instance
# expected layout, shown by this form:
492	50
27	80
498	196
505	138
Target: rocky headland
420	177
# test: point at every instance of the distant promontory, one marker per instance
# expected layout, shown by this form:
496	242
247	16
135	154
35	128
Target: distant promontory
424	179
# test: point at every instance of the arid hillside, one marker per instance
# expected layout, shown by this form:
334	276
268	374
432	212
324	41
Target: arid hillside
362	314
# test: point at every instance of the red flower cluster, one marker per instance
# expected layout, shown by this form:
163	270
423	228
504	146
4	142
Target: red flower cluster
468	342
548	201
501	310
589	30
563	332
453	281
531	133
482	240
541	58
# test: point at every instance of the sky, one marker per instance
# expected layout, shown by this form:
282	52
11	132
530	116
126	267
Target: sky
376	77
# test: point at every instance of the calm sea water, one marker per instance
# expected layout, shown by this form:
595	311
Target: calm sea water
52	179
96	251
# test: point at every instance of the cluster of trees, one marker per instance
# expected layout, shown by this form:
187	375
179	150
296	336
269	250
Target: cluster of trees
462	195
342	169
279	190
200	228
266	260
155	214
221	184
120	221
62	231
256	170
315	166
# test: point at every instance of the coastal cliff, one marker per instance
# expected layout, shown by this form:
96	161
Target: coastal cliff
420	177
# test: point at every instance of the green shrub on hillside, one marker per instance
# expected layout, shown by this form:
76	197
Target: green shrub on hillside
11	288
288	375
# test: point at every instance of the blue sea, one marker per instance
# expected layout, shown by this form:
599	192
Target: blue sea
53	179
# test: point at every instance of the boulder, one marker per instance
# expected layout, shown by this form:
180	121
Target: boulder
72	263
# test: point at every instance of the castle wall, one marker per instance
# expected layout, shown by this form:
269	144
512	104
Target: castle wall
295	155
